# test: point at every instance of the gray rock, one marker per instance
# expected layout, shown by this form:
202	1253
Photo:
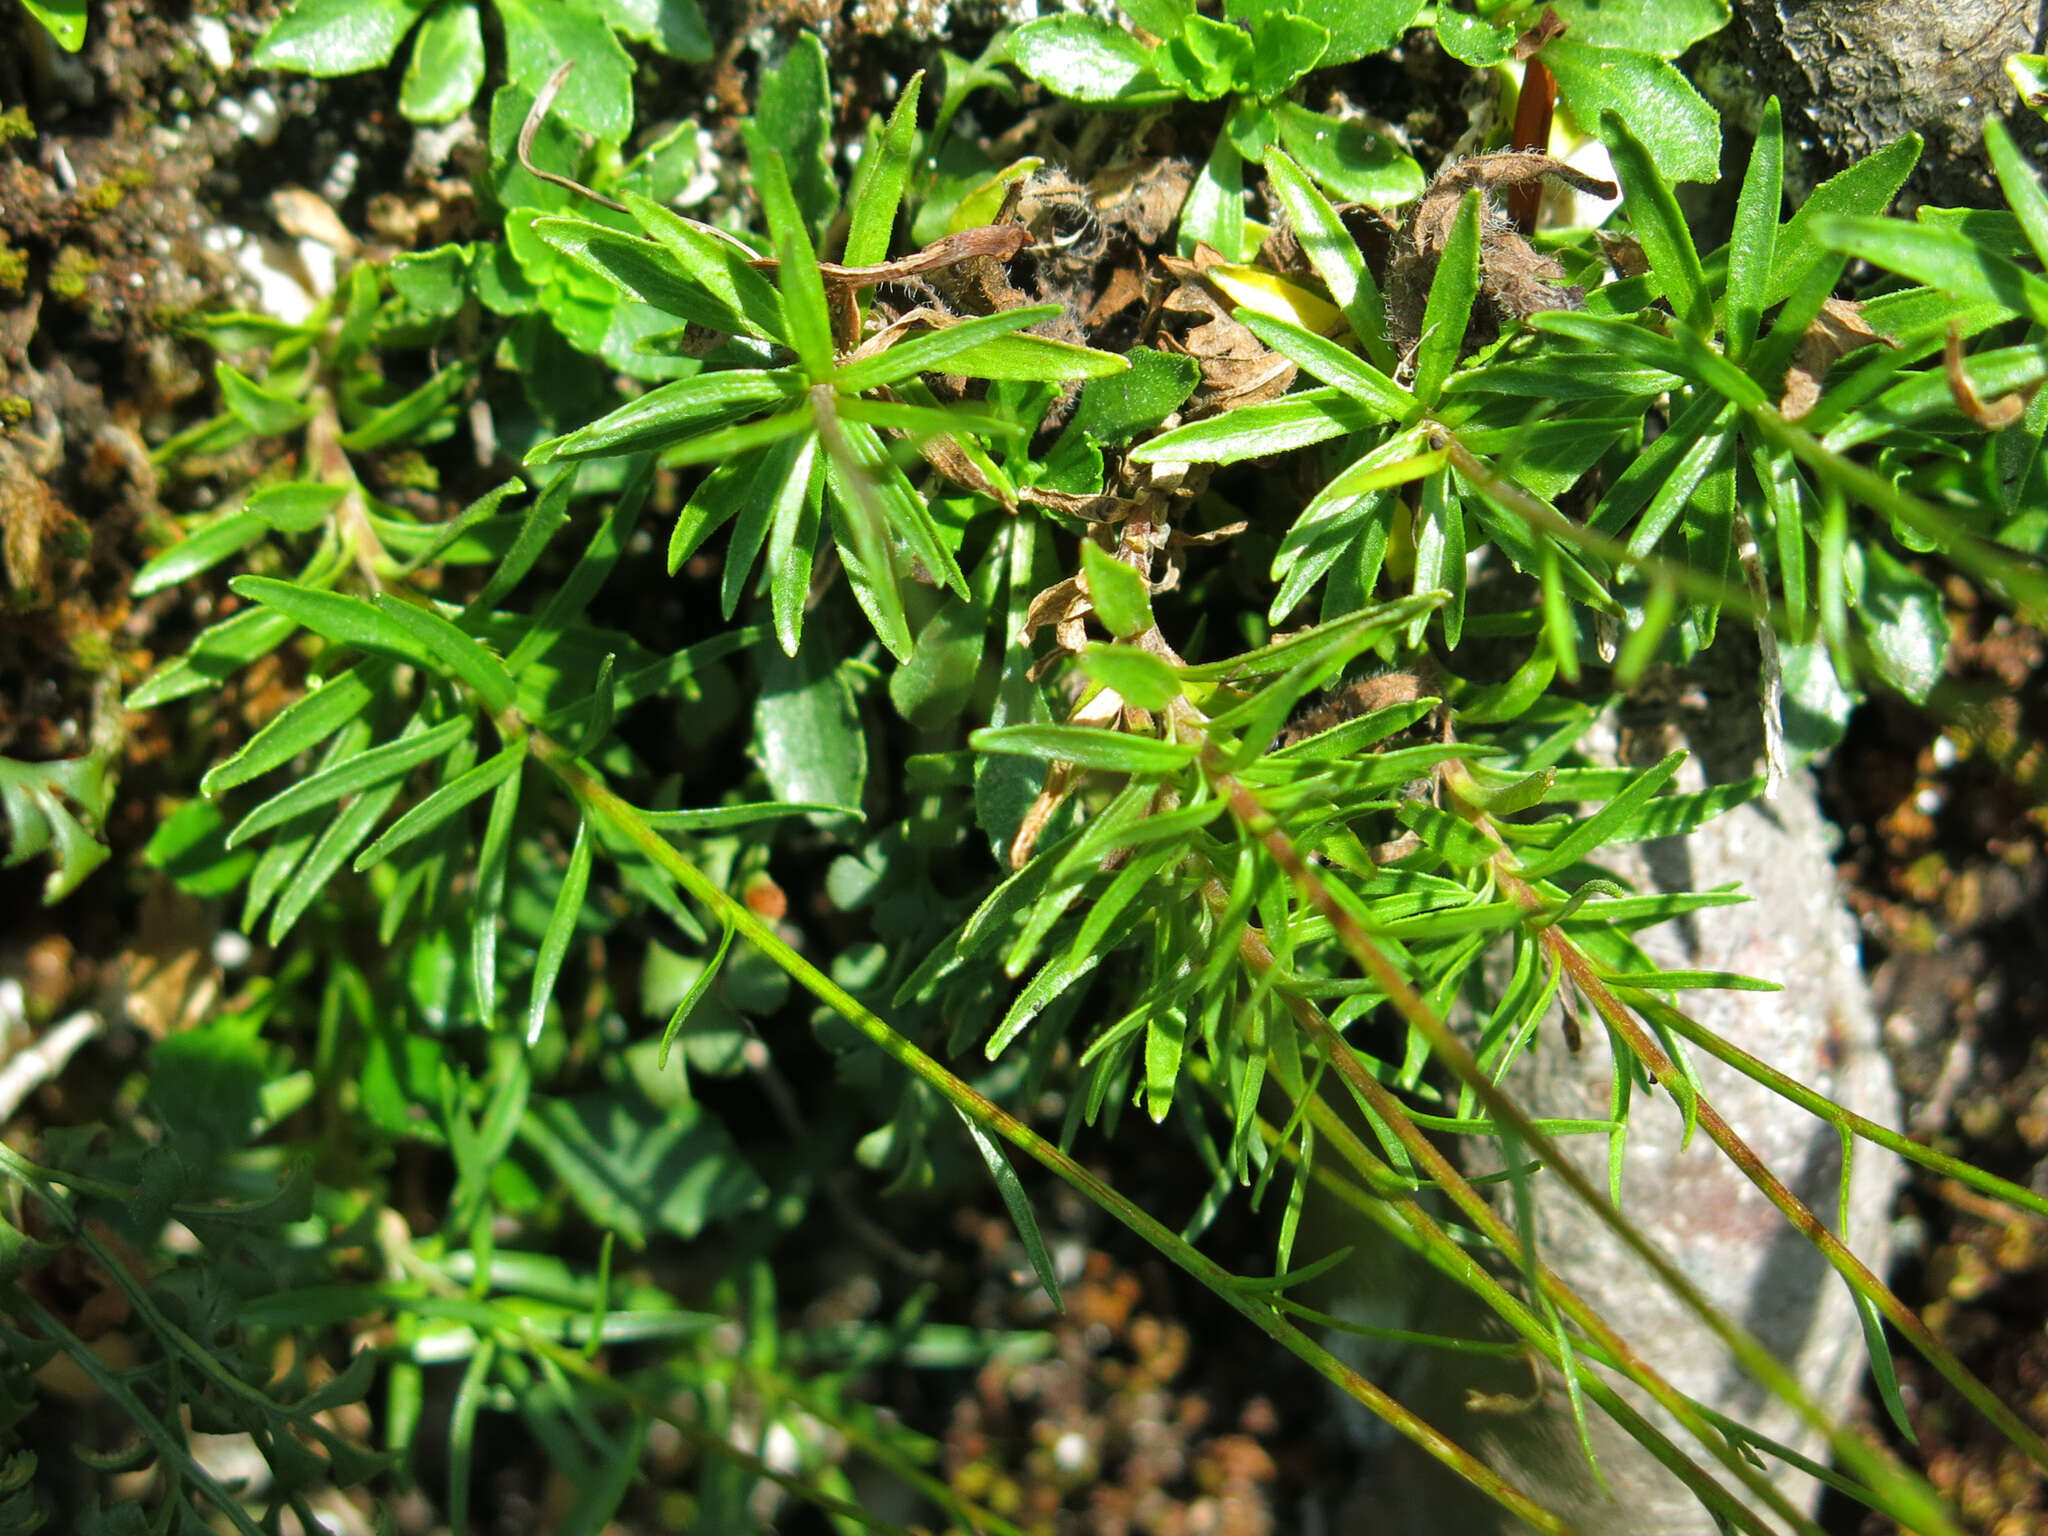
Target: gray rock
1853	76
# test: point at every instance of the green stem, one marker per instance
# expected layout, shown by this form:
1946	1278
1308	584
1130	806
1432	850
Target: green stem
2015	1195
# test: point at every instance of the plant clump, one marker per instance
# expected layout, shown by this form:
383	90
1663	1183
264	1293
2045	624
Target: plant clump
694	731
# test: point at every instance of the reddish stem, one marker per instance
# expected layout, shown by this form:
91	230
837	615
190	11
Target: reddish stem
1533	112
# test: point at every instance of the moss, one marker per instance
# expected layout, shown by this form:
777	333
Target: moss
13	267
105	195
70	273
15	409
14	124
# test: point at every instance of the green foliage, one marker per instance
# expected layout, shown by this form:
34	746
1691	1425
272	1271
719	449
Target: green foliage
57	808
64	20
446	64
516	888
1255	56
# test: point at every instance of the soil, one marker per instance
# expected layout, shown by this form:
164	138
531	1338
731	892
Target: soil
1153	1410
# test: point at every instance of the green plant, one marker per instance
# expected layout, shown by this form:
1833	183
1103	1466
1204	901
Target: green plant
446	66
1604	58
64	20
520	897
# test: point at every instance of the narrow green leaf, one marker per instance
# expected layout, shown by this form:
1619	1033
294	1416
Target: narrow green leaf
489	898
354	773
220	539
1752	245
261	409
1255	431
1334	255
797	510
1451	293
694	996
568	601
1085	747
343	836
1940	258
444	803
1028	359
220	651
1018	1204
1690	981
718	263
671	413
554	943
742	437
719	818
878	189
447	651
299	727
716	501
1592	832
1335	366
1166	1030
1865	187
923	353
408	414
597	726
1660	227
298	506
1214	211
645	271
543	520
796	276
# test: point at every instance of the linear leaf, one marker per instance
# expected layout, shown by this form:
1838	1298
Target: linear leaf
1036	360
1254	431
718	262
923	353
342	837
884	172
1940	258
645	271
1086	747
1331	363
353	773
300	726
196	552
796	275
220	651
671	414
1448	311
412	411
798	509
1596	830
1752	245
1660	227
1865	187
450	652
692	998
489	898
1334	255
1018	1204
444	803
554	943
